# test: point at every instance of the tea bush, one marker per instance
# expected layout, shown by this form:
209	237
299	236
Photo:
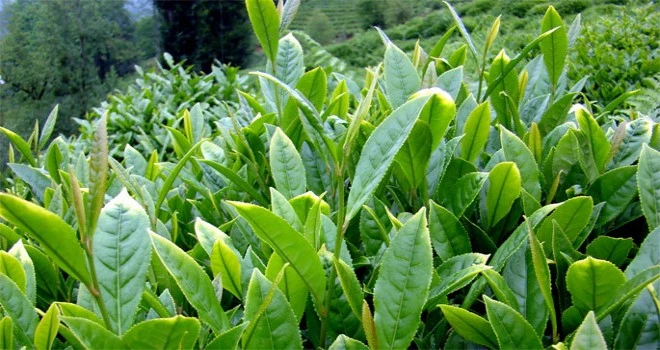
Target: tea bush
428	207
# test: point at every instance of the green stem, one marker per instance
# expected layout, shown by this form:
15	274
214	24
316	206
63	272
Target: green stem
94	289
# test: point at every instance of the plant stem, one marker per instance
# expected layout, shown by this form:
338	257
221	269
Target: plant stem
94	289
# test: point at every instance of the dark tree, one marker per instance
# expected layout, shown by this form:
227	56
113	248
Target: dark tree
200	31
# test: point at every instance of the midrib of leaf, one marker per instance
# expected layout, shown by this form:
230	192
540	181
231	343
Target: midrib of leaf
409	267
117	283
229	275
399	74
654	190
499	196
593	283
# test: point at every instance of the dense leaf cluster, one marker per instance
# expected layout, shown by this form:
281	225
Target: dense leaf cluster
428	207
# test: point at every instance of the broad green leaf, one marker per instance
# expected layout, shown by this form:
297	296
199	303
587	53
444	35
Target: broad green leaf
637	133
463	31
286	166
6	333
226	262
21	145
566	154
34	177
413	157
193	281
556	114
291	284
73	310
163	333
454	274
290	65
648	181
616	188
18	307
647	256
19	252
470	326
508	86
266	24
615	250
639	326
542	272
516	151
448	235
464	192
403	284
477	127
207	235
91	334
379	152
438	113
572	216
350	285
346	343
511	329
273	324
11	267
288	244
55	236
313	84
237	180
628	290
599	146
401	79
555	47
46	330
588	336
520	274
505	185
228	339
122	253
49	126
592	283
451	80
374	227
500	288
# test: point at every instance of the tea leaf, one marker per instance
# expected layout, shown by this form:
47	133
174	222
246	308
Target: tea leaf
271	318
266	24
228	339
226	262
403	284
286	166
627	290
477	127
46	330
588	335
572	216
11	267
413	157
236	179
516	151
470	326
19	252
55	236
163	333
345	343
291	284
16	305
598	144
542	272
98	172
350	285
638	328
464	192
448	236
511	329
288	244
504	189
555	47
48	127
500	288
193	281
401	79
21	145
438	113
592	283
379	152
648	181
614	250
91	334
616	188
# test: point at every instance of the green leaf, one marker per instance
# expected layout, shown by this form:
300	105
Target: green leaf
46	330
228	339
313	84
511	329
403	284
448	236
463	31
413	157
291	284
288	244
470	326
516	151
592	283
555	47
193	281
290	66
122	252
572	216
614	250
639	326
11	267
55	236
163	333
477	127
281	206
454	274
379	152
464	192
401	79
226	262
542	272
588	335
647	256
504	189
6	333
648	181
91	334
508	86
266	24
207	235
98	172
346	343
350	285
628	290
286	166
598	145
237	180
34	177
16	305
19	252
637	133
272	321
616	188
500	288
438	113
21	145
49	126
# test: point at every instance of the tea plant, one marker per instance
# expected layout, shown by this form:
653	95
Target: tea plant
424	209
